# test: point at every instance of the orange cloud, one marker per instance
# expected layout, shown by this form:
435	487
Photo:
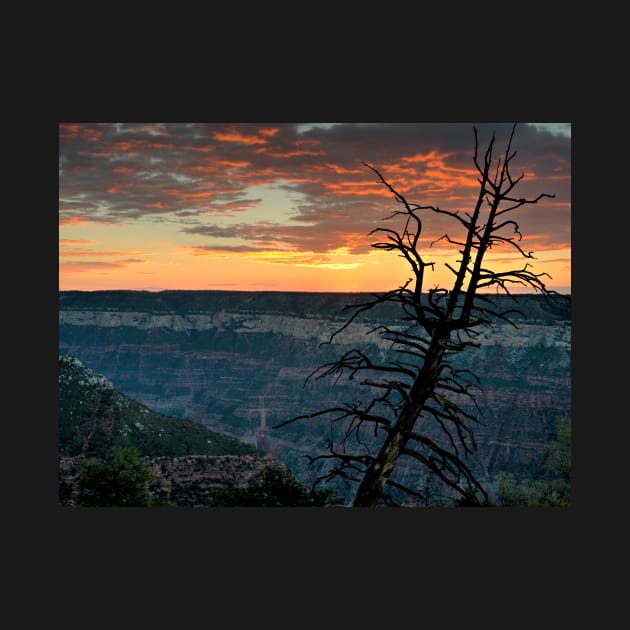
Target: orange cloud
233	163
278	256
425	157
81	267
235	136
561	205
232	206
85	132
357	188
75	241
71	130
205	149
436	171
160	145
336	168
97	154
287	154
188	195
310	142
86	253
75	220
215	167
80	219
542	241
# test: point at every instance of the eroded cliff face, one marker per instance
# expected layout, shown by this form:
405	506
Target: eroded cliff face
237	362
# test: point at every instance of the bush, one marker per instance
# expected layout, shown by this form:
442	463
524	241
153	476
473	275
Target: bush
278	488
552	492
122	480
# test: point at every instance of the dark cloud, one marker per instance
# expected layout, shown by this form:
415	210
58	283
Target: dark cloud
329	235
127	172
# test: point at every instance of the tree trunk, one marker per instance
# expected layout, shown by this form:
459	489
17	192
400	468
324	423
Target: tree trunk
371	487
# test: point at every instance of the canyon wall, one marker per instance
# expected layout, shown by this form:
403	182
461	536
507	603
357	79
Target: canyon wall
237	362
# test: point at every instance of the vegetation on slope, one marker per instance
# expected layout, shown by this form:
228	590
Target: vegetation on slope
277	488
554	488
94	418
121	481
114	435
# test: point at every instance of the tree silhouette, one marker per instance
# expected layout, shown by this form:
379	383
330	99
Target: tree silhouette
415	410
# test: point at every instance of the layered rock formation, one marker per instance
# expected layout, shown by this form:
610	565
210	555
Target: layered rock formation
236	362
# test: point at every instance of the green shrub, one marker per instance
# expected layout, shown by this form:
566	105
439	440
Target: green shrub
555	491
122	480
277	488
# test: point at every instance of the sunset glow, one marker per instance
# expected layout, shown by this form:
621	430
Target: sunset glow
287	206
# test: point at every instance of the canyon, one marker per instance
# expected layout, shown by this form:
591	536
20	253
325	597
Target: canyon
236	362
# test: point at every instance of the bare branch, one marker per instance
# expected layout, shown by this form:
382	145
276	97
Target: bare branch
416	385
521	202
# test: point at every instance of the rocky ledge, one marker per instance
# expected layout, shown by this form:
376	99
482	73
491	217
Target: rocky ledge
184	481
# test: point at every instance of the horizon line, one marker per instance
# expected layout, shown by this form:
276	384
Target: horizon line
562	291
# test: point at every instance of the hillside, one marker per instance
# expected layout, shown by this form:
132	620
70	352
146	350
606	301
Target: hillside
94	417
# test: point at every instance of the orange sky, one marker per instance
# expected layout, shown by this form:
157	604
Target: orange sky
287	206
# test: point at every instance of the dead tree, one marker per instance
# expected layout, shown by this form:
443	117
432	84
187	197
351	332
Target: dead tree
416	391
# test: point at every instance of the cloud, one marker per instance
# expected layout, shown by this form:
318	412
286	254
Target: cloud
76	241
204	250
126	172
80	217
80	266
229	207
73	266
78	252
331	234
238	137
270	256
557	129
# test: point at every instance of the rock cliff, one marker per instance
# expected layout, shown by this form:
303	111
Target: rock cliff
236	362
